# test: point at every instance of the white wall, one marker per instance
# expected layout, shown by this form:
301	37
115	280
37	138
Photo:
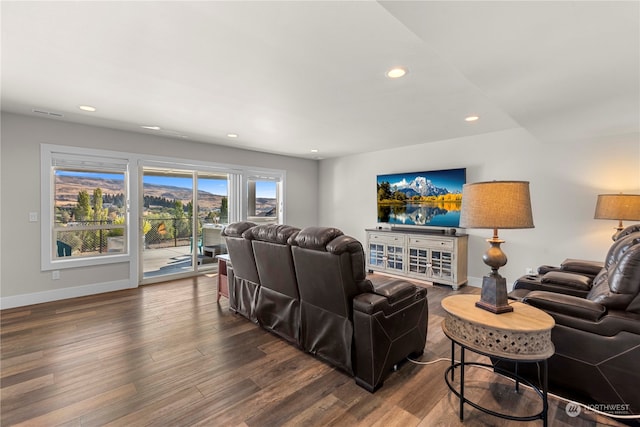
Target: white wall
21	281
565	179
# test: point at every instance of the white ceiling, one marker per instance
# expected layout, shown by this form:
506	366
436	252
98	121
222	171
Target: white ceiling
289	77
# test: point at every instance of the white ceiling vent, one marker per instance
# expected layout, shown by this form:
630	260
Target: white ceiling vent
48	113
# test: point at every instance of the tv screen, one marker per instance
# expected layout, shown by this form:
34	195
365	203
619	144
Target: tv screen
431	198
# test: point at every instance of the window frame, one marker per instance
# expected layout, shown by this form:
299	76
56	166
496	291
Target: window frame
90	160
264	175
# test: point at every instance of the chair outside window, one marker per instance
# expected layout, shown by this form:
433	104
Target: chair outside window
63	249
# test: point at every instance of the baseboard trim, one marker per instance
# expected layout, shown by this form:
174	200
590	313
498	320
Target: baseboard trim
476	282
64	293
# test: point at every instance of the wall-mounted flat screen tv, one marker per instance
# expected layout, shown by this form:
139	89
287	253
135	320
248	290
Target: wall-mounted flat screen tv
431	198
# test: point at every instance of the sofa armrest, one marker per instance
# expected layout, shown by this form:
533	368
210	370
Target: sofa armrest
388	326
369	303
534	283
364	285
388	297
578	266
544	269
571	280
395	290
591	268
566	305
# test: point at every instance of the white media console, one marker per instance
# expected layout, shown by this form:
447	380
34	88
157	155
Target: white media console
435	257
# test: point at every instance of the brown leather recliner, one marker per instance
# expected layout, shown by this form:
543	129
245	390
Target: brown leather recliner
277	304
242	275
573	276
362	329
597	338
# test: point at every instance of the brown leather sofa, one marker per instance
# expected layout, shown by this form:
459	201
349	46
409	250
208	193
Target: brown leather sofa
310	288
597	338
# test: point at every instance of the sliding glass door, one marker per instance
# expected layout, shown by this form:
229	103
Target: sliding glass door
184	208
183	214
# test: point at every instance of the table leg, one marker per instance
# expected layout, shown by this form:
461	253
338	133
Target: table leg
453	352
223	280
461	383
545	385
517	380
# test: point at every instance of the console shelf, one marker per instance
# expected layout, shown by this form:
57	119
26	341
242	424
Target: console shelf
437	258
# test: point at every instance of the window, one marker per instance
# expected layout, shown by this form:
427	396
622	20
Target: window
90	212
105	207
85	213
264	203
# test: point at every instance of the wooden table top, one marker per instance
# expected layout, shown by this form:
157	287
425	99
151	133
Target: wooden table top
523	318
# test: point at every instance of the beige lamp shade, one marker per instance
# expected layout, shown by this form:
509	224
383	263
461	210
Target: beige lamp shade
496	204
618	206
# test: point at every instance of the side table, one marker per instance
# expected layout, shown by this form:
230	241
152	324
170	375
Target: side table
223	282
523	335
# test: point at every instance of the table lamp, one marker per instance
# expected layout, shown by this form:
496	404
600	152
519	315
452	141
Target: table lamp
494	205
618	206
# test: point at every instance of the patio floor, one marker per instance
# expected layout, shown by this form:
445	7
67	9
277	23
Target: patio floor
174	259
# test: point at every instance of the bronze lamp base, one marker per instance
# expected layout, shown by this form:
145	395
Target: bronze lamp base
494	287
494	294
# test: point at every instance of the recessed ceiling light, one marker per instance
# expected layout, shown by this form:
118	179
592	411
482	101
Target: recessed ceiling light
232	135
396	72
88	108
151	127
471	118
315	150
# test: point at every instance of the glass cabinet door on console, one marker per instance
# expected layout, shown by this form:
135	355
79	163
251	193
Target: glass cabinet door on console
430	264
431	258
376	255
419	261
386	252
436	258
442	266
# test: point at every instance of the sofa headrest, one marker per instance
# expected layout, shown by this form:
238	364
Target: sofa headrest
619	285
625	277
342	244
627	230
237	228
620	246
273	233
315	237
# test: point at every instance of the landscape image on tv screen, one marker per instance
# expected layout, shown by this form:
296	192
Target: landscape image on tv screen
431	198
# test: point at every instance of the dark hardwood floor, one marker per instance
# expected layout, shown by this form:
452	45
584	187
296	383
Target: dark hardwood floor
170	355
